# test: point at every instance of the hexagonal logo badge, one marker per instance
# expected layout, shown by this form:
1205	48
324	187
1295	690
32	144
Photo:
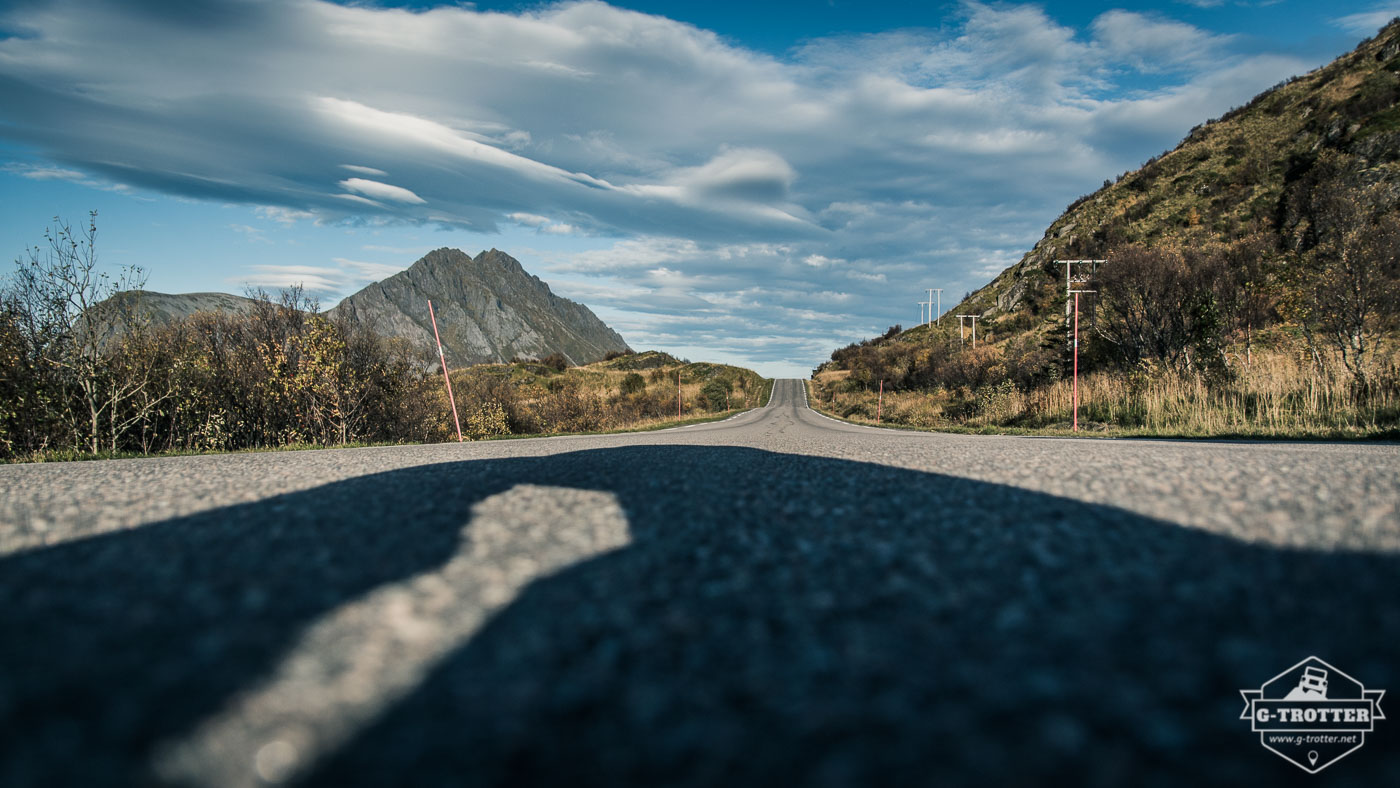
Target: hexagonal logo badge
1312	714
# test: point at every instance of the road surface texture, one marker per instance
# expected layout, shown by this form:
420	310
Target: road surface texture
776	599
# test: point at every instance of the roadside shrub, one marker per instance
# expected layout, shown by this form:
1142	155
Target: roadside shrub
556	362
632	383
487	421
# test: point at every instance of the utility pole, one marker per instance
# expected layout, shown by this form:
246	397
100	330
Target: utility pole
1072	329
921	312
938	316
445	376
1076	355
973	318
1072	278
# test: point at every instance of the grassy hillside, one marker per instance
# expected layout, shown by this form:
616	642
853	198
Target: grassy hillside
1253	284
1255	171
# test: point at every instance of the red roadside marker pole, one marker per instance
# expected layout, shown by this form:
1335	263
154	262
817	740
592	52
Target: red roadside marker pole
445	376
1076	362
678	393
880	403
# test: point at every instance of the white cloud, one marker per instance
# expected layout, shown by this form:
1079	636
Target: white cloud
253	234
543	224
373	272
325	282
360	170
868	166
1367	23
39	173
383	191
282	215
355	198
1150	42
316	280
528	219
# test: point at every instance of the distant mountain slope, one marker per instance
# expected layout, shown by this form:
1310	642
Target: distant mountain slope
488	310
164	308
1256	171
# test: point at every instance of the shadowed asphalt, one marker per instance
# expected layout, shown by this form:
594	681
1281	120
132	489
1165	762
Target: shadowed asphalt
774	598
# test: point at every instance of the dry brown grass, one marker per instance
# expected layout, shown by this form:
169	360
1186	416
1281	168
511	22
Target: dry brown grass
1279	394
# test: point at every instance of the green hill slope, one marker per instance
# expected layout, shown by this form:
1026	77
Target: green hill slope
1274	228
1255	170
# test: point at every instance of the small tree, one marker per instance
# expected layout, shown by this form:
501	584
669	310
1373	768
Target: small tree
1252	263
716	393
1353	275
74	316
1153	303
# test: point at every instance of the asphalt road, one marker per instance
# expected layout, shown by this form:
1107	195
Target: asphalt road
774	599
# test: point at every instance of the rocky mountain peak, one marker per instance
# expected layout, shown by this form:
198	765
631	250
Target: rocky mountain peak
488	308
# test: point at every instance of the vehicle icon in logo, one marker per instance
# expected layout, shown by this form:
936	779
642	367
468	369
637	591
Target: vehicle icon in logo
1313	685
1312	714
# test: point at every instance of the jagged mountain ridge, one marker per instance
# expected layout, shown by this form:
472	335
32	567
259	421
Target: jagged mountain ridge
489	309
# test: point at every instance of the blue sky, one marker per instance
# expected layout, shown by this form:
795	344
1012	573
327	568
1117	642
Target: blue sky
756	183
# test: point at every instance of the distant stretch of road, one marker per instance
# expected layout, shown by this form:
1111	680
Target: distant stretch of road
774	599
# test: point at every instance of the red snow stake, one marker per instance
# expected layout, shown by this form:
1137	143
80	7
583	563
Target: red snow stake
445	376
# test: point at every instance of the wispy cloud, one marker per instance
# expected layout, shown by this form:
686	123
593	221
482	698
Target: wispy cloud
1151	42
326	282
370	272
370	171
282	215
316	280
41	172
381	191
543	223
401	251
253	234
1366	23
